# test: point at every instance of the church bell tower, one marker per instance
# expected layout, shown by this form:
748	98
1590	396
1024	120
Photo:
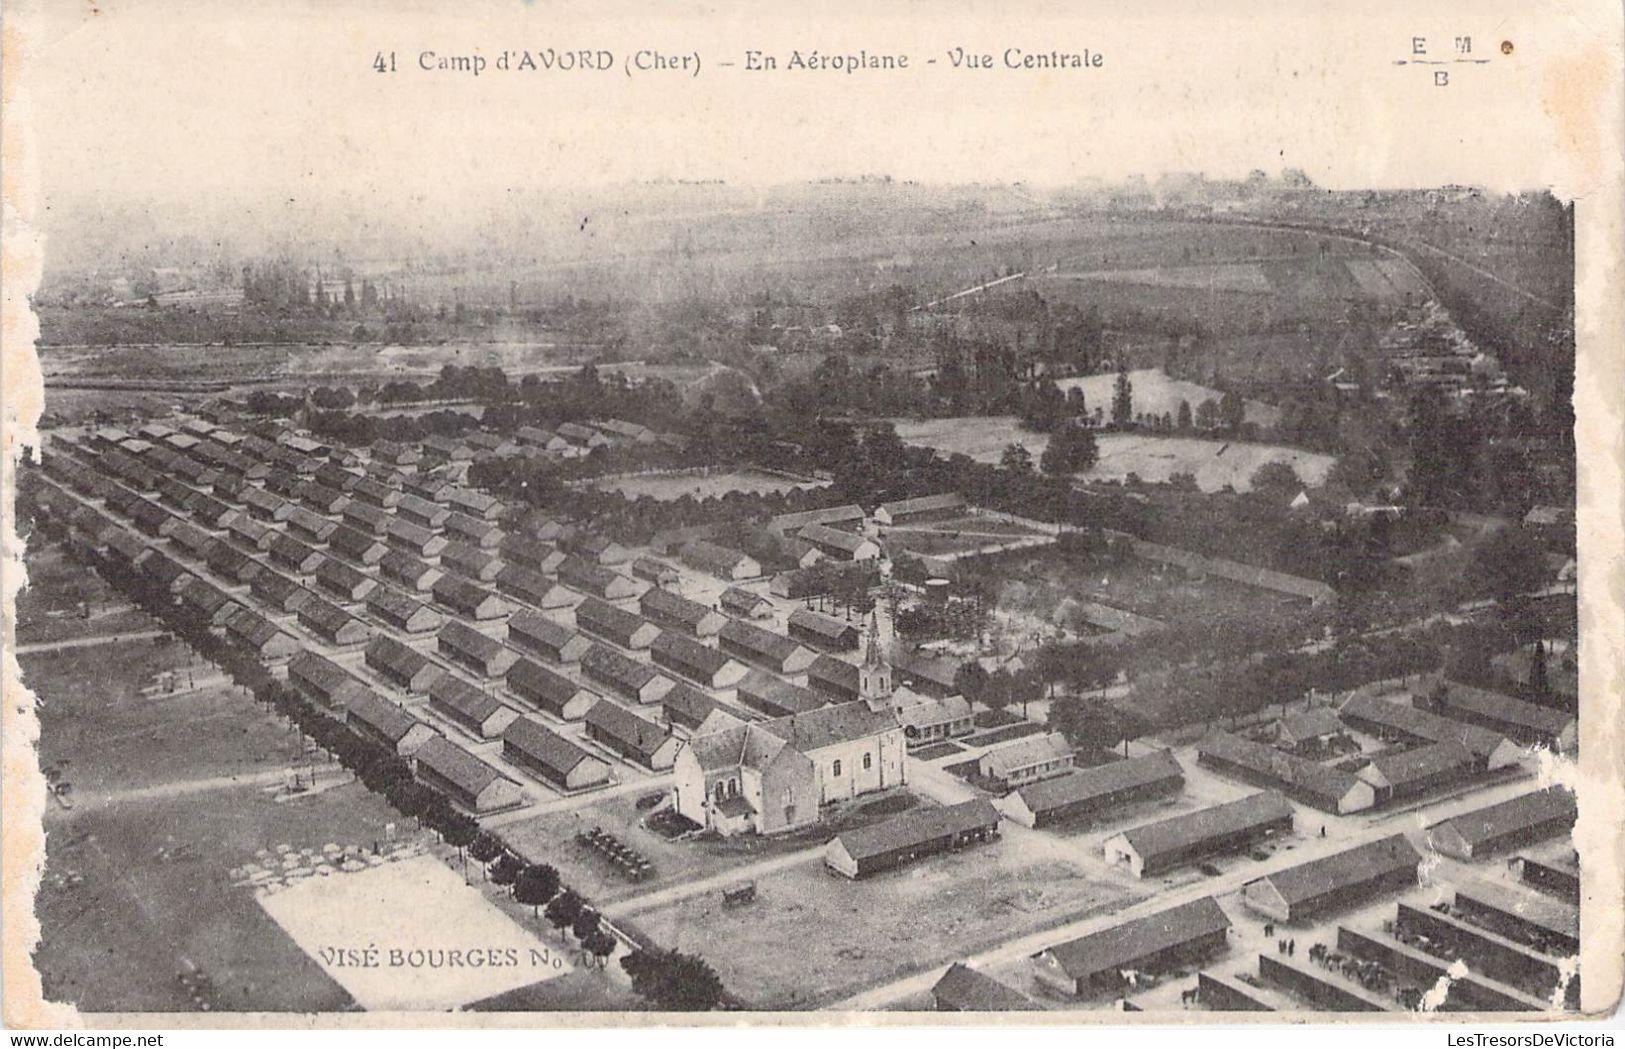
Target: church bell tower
874	676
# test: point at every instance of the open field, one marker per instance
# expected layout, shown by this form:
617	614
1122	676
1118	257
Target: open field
1156	393
135	895
424	964
1050	585
48	608
550	838
95	719
849	934
703	484
1150	457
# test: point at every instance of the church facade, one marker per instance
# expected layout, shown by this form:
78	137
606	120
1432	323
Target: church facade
766	777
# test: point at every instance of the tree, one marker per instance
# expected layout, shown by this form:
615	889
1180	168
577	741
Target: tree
1071	450
562	910
1122	399
1207	415
459	832
971	680
536	885
600	943
585	924
507	868
1504	565
1017	459
1183	420
1232	411
672	980
485	847
1277	480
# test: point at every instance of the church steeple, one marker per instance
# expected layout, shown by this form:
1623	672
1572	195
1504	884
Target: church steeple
874	677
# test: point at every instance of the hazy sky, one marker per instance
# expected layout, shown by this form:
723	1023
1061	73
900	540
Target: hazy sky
197	108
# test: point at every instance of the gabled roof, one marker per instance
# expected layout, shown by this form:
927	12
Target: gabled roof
637	732
968	991
819	535
528	677
352	542
533	624
1512	816
326	616
600	617
696	656
1494	706
403	565
1121	946
463	638
753	638
917	827
824	626
1025	752
935	712
619	668
332	680
923	504
470	701
1343	870
1311	723
772	694
389	720
712	556
831	724
1174	835
1398	768
829	515
1322	781
399	657
1083	785
1420	724
741	600
551	750
457	765
673	607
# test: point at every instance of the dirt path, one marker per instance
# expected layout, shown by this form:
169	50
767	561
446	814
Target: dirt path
89	642
85	800
715	883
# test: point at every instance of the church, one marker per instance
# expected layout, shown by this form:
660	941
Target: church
765	777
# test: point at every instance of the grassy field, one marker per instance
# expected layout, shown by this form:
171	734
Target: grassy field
136	894
703	485
1156	393
111	737
1049	585
1150	457
47	609
851	934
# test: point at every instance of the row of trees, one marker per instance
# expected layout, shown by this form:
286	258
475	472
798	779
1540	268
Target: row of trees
668	978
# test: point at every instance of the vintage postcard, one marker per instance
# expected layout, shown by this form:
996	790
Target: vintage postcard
525	513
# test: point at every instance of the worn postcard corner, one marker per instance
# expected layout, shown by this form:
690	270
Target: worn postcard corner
620	516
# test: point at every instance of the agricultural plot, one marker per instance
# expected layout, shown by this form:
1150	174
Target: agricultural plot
1150	457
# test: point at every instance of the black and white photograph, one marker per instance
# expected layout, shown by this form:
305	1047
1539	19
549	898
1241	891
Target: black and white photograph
630	513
